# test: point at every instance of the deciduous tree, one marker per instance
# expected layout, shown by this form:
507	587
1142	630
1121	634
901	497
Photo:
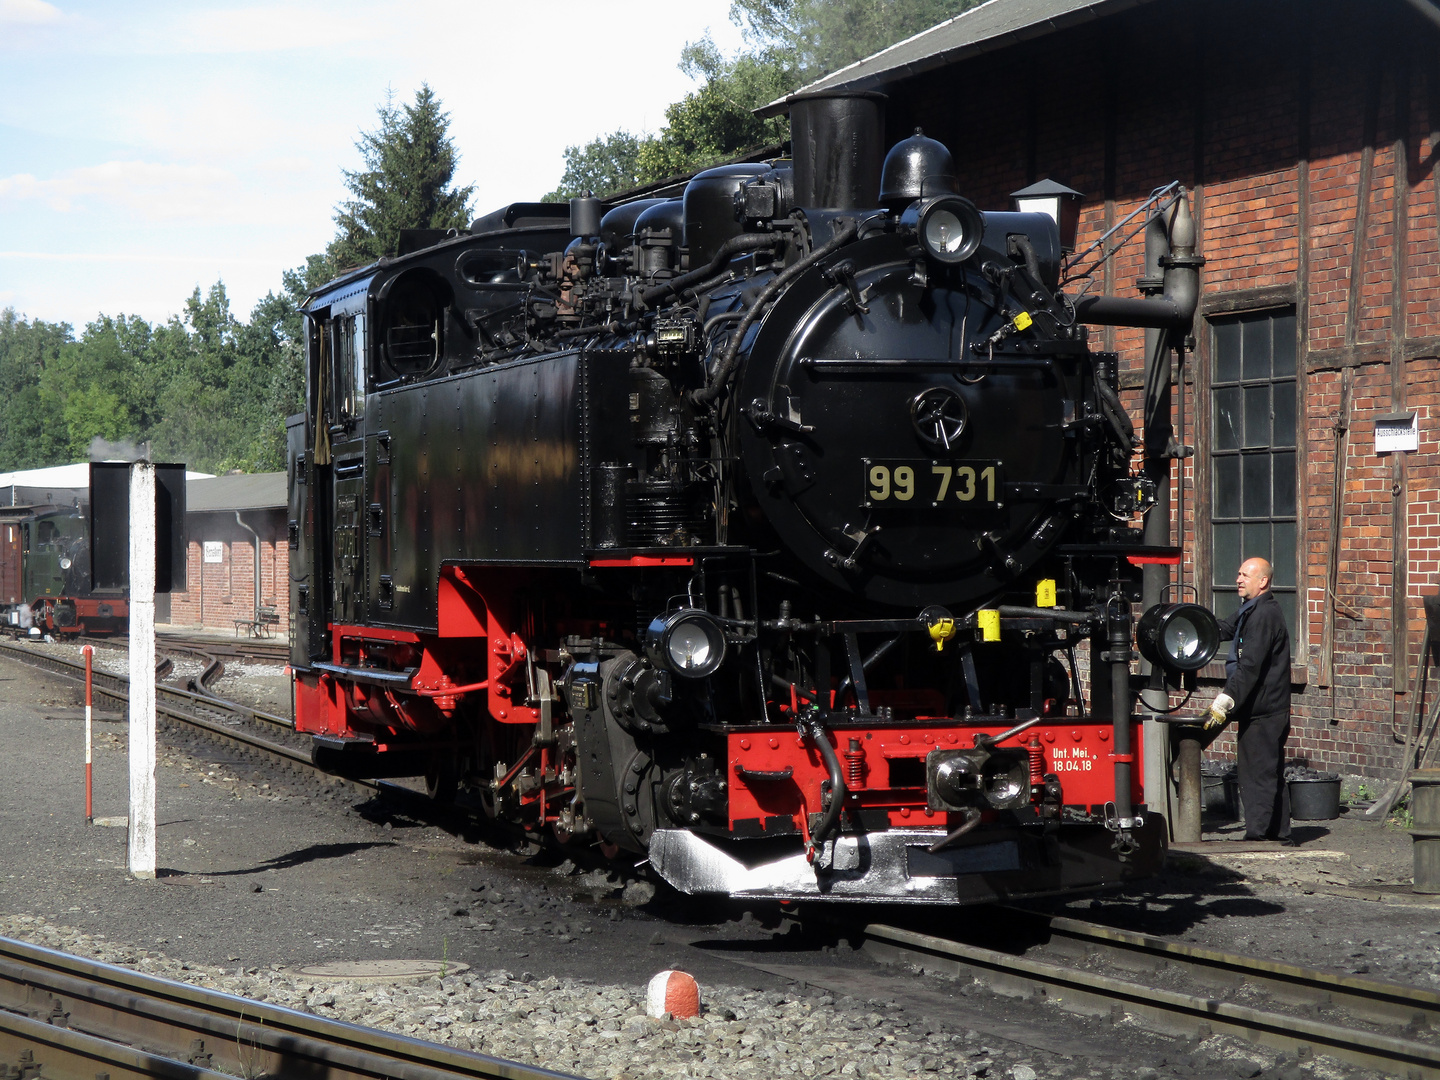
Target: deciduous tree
788	44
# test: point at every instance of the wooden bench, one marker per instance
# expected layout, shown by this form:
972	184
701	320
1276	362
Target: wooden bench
262	626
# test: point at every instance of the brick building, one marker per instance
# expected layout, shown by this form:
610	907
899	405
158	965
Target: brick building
1306	132
226	519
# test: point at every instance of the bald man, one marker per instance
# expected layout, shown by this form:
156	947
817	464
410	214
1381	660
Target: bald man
1257	696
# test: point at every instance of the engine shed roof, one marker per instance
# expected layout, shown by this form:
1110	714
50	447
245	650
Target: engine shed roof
994	25
223	494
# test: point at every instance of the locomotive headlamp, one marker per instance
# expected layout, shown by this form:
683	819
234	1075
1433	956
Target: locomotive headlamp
948	227
1178	637
688	642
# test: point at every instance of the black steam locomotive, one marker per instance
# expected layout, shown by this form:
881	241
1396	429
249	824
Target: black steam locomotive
752	531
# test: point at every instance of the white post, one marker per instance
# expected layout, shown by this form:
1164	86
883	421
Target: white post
142	669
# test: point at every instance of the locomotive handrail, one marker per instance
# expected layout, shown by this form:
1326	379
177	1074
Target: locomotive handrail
888	366
375	676
1012	611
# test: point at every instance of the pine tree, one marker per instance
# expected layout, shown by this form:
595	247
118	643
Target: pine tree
409	165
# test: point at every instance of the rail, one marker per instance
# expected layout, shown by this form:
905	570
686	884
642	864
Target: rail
116	686
186	707
65	1017
1192	1014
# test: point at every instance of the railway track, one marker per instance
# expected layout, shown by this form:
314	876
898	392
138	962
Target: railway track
246	650
64	1017
245	731
1087	968
241	729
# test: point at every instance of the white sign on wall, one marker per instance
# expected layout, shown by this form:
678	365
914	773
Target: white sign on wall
1397	433
214	550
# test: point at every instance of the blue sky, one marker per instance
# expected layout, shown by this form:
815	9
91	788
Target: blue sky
150	147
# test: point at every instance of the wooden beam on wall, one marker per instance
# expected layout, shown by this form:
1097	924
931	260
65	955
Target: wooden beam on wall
1301	300
1360	231
1113	52
1337	510
1399	331
1353	307
1202	553
1266	296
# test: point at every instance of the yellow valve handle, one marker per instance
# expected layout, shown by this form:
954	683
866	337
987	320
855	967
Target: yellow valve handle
941	631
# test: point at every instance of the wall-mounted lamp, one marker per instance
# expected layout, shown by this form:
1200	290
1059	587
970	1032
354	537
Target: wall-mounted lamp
1061	203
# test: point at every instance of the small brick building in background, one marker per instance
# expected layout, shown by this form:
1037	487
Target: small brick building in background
220	560
1306	133
220	514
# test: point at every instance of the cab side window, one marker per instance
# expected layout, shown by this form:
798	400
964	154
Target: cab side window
348	351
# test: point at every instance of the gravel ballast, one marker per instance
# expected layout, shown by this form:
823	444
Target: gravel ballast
263	875
602	1031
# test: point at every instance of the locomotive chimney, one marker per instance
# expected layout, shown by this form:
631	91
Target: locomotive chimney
837	143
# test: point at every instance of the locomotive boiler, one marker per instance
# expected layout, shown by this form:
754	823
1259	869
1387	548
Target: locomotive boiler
783	534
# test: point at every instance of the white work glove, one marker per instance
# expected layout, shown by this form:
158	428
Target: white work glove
1219	713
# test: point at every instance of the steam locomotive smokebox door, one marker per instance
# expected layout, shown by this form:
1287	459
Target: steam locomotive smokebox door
110	526
899	468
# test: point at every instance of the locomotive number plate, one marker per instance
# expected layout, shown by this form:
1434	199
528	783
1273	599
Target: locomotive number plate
925	482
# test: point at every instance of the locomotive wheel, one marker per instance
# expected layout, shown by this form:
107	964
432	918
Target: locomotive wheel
485	796
441	781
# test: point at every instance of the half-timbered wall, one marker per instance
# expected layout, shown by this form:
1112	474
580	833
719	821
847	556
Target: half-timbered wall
1307	132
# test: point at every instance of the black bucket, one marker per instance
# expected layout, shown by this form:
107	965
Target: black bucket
1315	797
1220	790
1425	808
1222	796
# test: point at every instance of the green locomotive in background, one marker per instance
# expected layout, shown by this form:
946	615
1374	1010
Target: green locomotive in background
45	574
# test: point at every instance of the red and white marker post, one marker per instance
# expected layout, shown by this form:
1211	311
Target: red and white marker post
89	653
673	992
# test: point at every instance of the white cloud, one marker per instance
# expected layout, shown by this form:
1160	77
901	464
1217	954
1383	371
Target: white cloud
123	257
263	28
143	190
204	140
28	13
